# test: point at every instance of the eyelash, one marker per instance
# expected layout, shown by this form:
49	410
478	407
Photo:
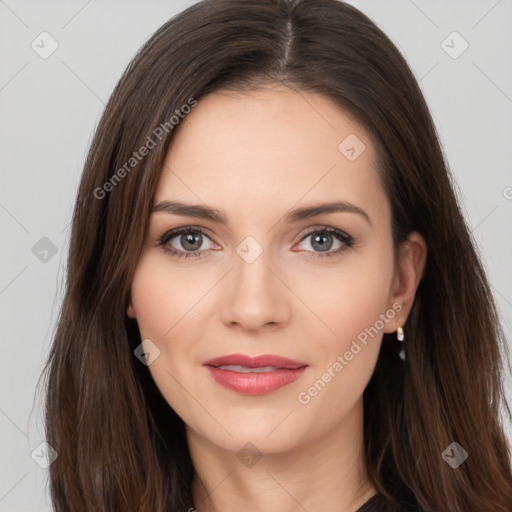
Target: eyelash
347	240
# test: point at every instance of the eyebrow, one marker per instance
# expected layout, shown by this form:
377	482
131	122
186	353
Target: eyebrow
205	212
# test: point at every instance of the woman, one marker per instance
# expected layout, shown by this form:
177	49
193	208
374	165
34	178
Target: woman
264	210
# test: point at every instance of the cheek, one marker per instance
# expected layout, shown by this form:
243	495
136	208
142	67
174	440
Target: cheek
351	304
152	298
368	298
348	297
163	297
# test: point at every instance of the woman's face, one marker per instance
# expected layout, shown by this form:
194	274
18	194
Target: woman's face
269	280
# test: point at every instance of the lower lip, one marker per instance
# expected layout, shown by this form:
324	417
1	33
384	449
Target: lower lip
256	383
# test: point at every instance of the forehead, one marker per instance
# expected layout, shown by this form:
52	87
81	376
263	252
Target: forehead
269	149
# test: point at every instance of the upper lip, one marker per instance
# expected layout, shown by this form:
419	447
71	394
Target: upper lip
255	361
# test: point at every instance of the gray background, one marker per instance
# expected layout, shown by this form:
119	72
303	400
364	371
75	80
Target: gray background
50	107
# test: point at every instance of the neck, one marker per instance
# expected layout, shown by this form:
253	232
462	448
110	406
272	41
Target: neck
326	473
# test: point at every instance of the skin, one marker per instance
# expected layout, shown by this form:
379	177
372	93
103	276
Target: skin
254	156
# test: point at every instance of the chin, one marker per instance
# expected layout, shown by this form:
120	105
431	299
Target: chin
269	432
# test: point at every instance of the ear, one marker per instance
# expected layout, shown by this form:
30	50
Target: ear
130	311
407	277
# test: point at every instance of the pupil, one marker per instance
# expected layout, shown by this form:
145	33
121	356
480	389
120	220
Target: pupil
322	241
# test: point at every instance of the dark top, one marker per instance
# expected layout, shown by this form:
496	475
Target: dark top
377	503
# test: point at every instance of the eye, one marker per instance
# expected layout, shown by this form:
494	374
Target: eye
322	240
189	242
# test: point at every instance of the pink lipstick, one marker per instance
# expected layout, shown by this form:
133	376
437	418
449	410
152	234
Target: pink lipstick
254	375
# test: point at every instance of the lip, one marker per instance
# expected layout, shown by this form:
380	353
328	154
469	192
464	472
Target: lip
282	371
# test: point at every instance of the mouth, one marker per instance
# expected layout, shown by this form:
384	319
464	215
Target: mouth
254	375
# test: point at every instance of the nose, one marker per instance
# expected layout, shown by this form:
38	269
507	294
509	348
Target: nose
255	298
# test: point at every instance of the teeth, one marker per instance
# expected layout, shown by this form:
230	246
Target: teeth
244	369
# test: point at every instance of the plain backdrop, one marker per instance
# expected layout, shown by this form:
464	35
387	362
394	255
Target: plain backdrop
49	108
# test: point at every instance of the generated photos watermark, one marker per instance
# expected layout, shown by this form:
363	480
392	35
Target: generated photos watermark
305	397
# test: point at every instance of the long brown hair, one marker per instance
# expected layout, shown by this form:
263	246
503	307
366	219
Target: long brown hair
120	445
